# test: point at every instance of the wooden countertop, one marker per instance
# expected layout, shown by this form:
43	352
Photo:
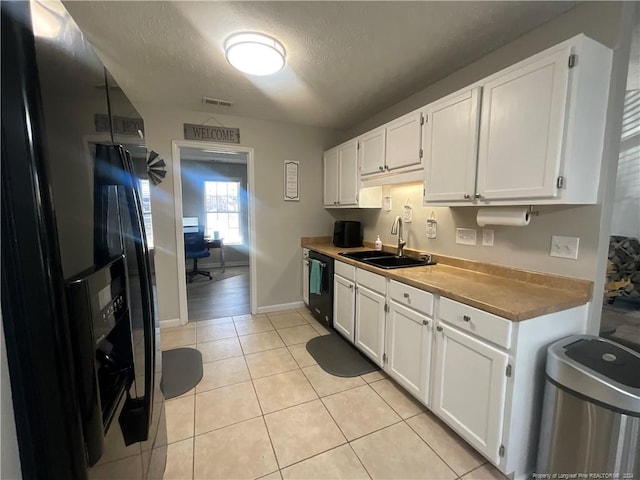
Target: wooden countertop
510	293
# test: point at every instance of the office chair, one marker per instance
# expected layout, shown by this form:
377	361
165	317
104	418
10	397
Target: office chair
194	248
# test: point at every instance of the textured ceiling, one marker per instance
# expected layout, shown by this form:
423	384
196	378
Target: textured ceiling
345	60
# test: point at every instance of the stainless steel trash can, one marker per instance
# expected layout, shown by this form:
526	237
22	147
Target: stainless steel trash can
591	411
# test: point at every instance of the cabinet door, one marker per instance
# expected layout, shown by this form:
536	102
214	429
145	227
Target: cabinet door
343	306
522	130
469	388
331	177
408	339
305	280
370	323
348	173
450	146
371	151
404	143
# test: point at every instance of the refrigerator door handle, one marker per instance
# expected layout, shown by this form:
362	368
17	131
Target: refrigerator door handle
135	419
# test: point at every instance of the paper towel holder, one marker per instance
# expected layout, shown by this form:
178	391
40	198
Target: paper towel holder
532	212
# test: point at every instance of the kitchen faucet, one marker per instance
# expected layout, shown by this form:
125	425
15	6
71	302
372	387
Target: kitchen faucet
396	229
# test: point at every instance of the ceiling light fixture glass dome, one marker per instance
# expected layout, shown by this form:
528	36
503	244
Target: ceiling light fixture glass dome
254	53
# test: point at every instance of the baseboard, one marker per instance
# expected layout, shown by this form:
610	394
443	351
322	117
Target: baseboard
282	306
202	265
172	322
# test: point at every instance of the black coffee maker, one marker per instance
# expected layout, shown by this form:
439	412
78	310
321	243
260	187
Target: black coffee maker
347	233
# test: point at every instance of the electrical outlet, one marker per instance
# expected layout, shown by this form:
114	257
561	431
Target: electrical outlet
487	237
564	247
466	236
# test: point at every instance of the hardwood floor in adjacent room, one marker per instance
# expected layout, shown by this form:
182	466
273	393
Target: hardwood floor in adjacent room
227	294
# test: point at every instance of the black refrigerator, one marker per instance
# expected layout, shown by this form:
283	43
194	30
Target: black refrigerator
78	313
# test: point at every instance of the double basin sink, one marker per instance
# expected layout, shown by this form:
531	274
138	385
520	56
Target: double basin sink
386	260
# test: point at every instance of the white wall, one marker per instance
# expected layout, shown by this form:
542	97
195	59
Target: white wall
279	224
522	247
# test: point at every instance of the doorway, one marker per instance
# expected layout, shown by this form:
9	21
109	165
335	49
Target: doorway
213	185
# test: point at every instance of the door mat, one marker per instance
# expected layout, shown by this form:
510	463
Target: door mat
338	357
181	371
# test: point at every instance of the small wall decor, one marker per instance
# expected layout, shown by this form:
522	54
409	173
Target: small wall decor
155	168
291	180
211	134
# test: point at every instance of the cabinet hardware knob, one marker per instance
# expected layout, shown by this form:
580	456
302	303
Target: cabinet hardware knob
406	295
477	195
466	195
466	318
386	167
439	328
350	287
381	168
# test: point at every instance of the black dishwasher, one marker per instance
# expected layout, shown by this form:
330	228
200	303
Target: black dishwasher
321	301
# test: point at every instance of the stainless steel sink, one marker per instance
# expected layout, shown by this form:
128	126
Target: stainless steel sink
366	254
396	262
386	260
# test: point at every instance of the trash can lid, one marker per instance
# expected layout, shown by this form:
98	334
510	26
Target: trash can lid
598	369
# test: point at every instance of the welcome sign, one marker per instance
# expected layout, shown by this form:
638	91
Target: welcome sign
211	134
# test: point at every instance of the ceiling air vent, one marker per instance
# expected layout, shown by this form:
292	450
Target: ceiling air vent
216	101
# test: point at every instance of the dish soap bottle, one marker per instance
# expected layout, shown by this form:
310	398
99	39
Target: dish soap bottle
378	244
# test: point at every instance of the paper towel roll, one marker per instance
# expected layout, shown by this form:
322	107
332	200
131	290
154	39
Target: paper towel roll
515	217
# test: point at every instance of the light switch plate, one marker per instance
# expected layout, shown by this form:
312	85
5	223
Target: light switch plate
564	247
466	236
487	237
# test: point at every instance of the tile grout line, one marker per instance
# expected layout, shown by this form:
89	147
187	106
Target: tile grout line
384	400
433	449
264	420
359	460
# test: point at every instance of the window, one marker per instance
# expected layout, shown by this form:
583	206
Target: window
145	198
222	210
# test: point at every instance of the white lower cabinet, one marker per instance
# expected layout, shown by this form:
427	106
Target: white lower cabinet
480	373
370	313
344	306
408	349
469	389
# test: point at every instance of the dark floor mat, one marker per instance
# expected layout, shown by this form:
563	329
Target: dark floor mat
338	357
181	371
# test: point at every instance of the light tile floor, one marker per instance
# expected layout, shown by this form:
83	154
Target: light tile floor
265	409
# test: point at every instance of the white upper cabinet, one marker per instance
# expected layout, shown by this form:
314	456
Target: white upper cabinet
450	146
542	127
331	177
522	129
341	180
348	173
404	136
341	175
531	133
541	132
371	151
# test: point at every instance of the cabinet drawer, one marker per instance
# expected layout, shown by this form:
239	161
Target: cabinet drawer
372	281
411	297
345	271
484	325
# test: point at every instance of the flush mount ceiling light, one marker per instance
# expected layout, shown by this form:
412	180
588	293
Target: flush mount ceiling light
254	53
